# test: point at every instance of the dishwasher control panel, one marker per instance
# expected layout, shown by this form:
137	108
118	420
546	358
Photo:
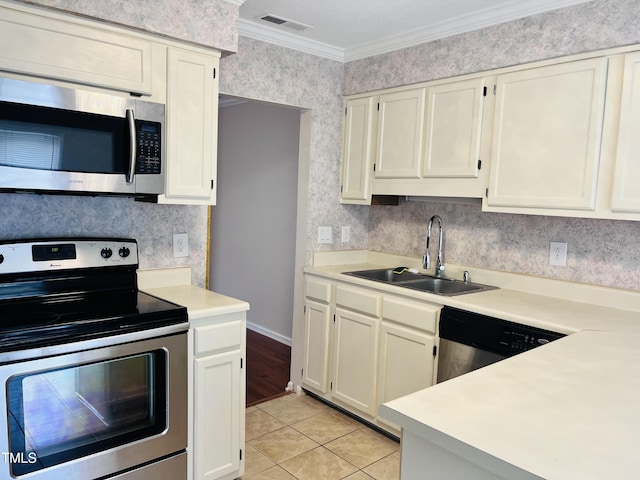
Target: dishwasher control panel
517	340
490	334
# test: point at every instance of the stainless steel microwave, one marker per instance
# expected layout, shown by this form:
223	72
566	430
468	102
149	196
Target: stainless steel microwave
62	140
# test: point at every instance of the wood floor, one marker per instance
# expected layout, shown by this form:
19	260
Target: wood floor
268	365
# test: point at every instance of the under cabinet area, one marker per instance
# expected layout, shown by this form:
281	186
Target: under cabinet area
74	51
364	347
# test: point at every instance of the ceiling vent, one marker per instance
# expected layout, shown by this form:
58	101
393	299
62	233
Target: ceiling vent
285	22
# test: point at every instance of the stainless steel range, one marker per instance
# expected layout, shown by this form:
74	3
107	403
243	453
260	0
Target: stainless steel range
93	370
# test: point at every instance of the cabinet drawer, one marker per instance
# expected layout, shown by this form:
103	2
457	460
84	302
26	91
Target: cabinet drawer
218	337
359	300
318	289
422	316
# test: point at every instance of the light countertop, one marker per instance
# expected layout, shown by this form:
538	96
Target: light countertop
542	311
567	410
174	285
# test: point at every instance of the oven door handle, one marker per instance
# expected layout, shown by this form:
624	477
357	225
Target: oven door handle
133	145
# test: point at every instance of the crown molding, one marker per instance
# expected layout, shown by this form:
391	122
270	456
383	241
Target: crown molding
288	40
484	18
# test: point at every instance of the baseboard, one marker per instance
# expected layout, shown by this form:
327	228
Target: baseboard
269	333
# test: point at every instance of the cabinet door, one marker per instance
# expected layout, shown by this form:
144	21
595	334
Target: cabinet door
317	319
357	151
192	127
546	136
452	142
355	360
217	416
626	182
400	134
73	50
406	361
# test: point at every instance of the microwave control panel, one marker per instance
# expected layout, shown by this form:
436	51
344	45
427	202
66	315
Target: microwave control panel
149	149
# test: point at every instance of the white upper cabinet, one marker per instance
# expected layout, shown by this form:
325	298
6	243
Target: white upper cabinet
71	51
192	127
400	134
453	128
547	133
626	182
357	151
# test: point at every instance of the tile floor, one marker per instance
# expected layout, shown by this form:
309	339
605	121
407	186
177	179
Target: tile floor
298	437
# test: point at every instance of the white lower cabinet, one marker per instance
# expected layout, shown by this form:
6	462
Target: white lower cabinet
217	397
315	372
364	347
355	356
407	348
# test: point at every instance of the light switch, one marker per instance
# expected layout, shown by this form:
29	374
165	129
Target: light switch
324	235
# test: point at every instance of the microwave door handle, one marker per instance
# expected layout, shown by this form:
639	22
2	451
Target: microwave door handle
133	145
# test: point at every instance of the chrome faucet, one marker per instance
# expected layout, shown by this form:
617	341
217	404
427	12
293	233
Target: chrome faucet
426	259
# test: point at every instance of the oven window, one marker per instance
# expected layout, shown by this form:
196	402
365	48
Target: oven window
59	415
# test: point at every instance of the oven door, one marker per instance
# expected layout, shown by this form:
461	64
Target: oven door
96	412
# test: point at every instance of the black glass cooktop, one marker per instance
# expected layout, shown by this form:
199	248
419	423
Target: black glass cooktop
43	321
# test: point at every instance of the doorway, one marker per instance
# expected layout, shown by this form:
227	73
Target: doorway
253	227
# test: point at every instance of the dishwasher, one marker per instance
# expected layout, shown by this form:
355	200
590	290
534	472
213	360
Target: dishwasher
469	341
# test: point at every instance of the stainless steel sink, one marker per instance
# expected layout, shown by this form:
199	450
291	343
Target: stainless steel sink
386	275
426	283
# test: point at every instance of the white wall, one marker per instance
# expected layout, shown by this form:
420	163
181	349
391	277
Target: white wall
253	225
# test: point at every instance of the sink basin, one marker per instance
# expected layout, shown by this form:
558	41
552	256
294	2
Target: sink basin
426	283
386	275
446	286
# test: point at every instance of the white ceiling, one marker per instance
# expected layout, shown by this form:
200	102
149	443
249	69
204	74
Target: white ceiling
346	30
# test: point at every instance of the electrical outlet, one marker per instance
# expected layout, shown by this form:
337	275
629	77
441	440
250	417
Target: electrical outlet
325	235
346	234
558	254
180	245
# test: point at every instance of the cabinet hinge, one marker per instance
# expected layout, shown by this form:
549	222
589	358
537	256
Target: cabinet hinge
435	350
240	454
495	87
484	91
479	164
214	73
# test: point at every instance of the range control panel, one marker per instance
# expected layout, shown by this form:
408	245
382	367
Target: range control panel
63	254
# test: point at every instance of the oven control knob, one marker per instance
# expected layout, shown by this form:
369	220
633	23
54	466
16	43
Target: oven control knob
124	252
106	253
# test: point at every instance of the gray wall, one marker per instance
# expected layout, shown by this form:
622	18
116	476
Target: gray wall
253	225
